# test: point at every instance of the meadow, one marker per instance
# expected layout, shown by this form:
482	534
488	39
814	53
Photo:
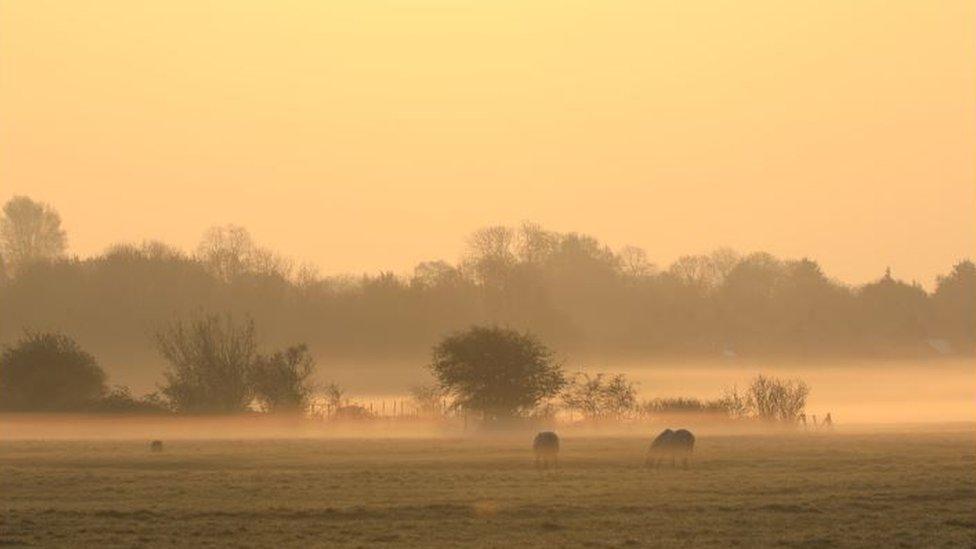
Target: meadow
911	486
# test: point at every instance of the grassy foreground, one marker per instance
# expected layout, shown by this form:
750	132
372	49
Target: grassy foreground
880	489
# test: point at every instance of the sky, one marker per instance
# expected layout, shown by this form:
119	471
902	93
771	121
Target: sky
372	135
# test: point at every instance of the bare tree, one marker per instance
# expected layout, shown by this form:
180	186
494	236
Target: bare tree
584	394
490	256
600	396
619	396
534	244
30	231
229	251
333	397
211	361
634	263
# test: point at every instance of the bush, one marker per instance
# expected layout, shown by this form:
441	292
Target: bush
682	405
775	399
497	371
281	381
600	396
211	361
736	404
769	399
353	412
214	367
119	400
49	372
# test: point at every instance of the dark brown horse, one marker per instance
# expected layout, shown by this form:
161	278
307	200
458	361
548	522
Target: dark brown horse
546	447
678	445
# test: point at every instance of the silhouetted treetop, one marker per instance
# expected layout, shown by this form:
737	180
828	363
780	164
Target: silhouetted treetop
49	372
29	231
497	371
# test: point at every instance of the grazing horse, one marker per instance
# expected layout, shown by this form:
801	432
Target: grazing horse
676	444
156	446
546	447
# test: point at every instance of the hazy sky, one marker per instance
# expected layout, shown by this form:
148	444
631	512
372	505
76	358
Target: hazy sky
365	135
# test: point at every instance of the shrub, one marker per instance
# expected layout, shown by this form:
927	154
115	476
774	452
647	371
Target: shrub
333	398
736	404
281	381
354	412
49	372
210	364
119	400
683	405
600	396
773	399
497	371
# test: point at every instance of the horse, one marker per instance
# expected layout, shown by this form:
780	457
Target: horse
546	448
676	444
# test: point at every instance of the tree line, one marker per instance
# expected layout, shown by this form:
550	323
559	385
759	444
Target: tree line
575	292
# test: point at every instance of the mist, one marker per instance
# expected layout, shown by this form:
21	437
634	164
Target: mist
436	273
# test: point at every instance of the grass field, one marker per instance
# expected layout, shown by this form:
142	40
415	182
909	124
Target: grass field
869	489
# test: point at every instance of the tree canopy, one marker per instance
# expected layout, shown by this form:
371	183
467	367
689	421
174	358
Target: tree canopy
49	372
29	231
500	372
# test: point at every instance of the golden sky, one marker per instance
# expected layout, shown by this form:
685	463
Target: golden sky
368	134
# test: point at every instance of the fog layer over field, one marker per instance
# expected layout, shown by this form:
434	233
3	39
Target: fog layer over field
900	391
853	392
859	396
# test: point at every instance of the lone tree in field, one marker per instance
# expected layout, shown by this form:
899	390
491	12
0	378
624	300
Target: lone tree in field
282	381
211	362
499	372
49	372
29	231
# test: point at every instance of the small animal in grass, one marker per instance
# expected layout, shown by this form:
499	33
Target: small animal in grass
546	447
677	445
156	446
